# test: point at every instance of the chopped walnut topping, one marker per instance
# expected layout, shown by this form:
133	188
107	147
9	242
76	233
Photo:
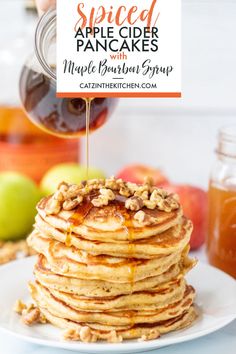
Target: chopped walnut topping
105	196
63	187
124	191
53	206
173	202
42	318
144	219
86	335
153	334
71	334
149	204
142	190
164	206
140	216
156	196
68	197
31	315
100	201
71	204
59	196
96	184
107	193
162	192
134	203
11	250
114	338
113	183
73	191
132	187
19	307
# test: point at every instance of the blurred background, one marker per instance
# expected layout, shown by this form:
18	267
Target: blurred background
178	135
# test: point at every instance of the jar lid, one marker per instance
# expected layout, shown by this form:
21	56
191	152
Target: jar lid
227	142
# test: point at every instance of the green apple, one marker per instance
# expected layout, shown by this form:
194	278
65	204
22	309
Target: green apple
18	198
67	172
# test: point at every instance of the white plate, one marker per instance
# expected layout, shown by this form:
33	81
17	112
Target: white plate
216	300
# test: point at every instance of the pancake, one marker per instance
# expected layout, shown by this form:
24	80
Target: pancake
112	259
99	288
144	331
172	240
44	298
109	223
158	297
69	261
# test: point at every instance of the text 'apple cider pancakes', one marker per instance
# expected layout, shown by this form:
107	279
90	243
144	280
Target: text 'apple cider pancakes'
112	257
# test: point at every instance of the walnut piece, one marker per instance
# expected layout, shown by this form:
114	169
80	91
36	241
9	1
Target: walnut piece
114	338
71	204
69	197
153	334
144	219
73	191
125	192
95	184
87	336
149	204
63	187
58	195
134	203
53	206
100	201
30	316
113	183
105	196
84	334
107	193
71	334
11	250
19	307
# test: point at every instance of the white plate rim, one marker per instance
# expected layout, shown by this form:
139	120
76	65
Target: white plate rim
124	347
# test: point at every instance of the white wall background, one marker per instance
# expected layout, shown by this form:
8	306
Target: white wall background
179	135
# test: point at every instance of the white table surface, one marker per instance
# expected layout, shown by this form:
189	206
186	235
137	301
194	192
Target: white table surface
220	342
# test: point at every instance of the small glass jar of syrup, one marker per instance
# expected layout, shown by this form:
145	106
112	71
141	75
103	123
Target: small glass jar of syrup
221	242
64	117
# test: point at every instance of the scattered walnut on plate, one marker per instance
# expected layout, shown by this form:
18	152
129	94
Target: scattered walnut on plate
10	251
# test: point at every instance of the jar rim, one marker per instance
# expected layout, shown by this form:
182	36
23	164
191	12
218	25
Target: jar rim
46	22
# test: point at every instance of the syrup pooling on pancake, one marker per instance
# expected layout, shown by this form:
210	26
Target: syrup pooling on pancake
112	260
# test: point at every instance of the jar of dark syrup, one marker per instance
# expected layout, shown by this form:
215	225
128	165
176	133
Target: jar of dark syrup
63	117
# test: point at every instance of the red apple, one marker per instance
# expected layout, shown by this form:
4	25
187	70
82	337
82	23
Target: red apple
194	203
136	173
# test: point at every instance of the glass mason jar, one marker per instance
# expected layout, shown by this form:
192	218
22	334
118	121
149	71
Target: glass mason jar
221	242
23	147
64	117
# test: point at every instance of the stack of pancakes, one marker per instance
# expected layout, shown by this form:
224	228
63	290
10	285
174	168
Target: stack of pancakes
112	257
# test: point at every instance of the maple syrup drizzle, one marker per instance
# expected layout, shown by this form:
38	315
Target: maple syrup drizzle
127	224
68	235
81	211
88	113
